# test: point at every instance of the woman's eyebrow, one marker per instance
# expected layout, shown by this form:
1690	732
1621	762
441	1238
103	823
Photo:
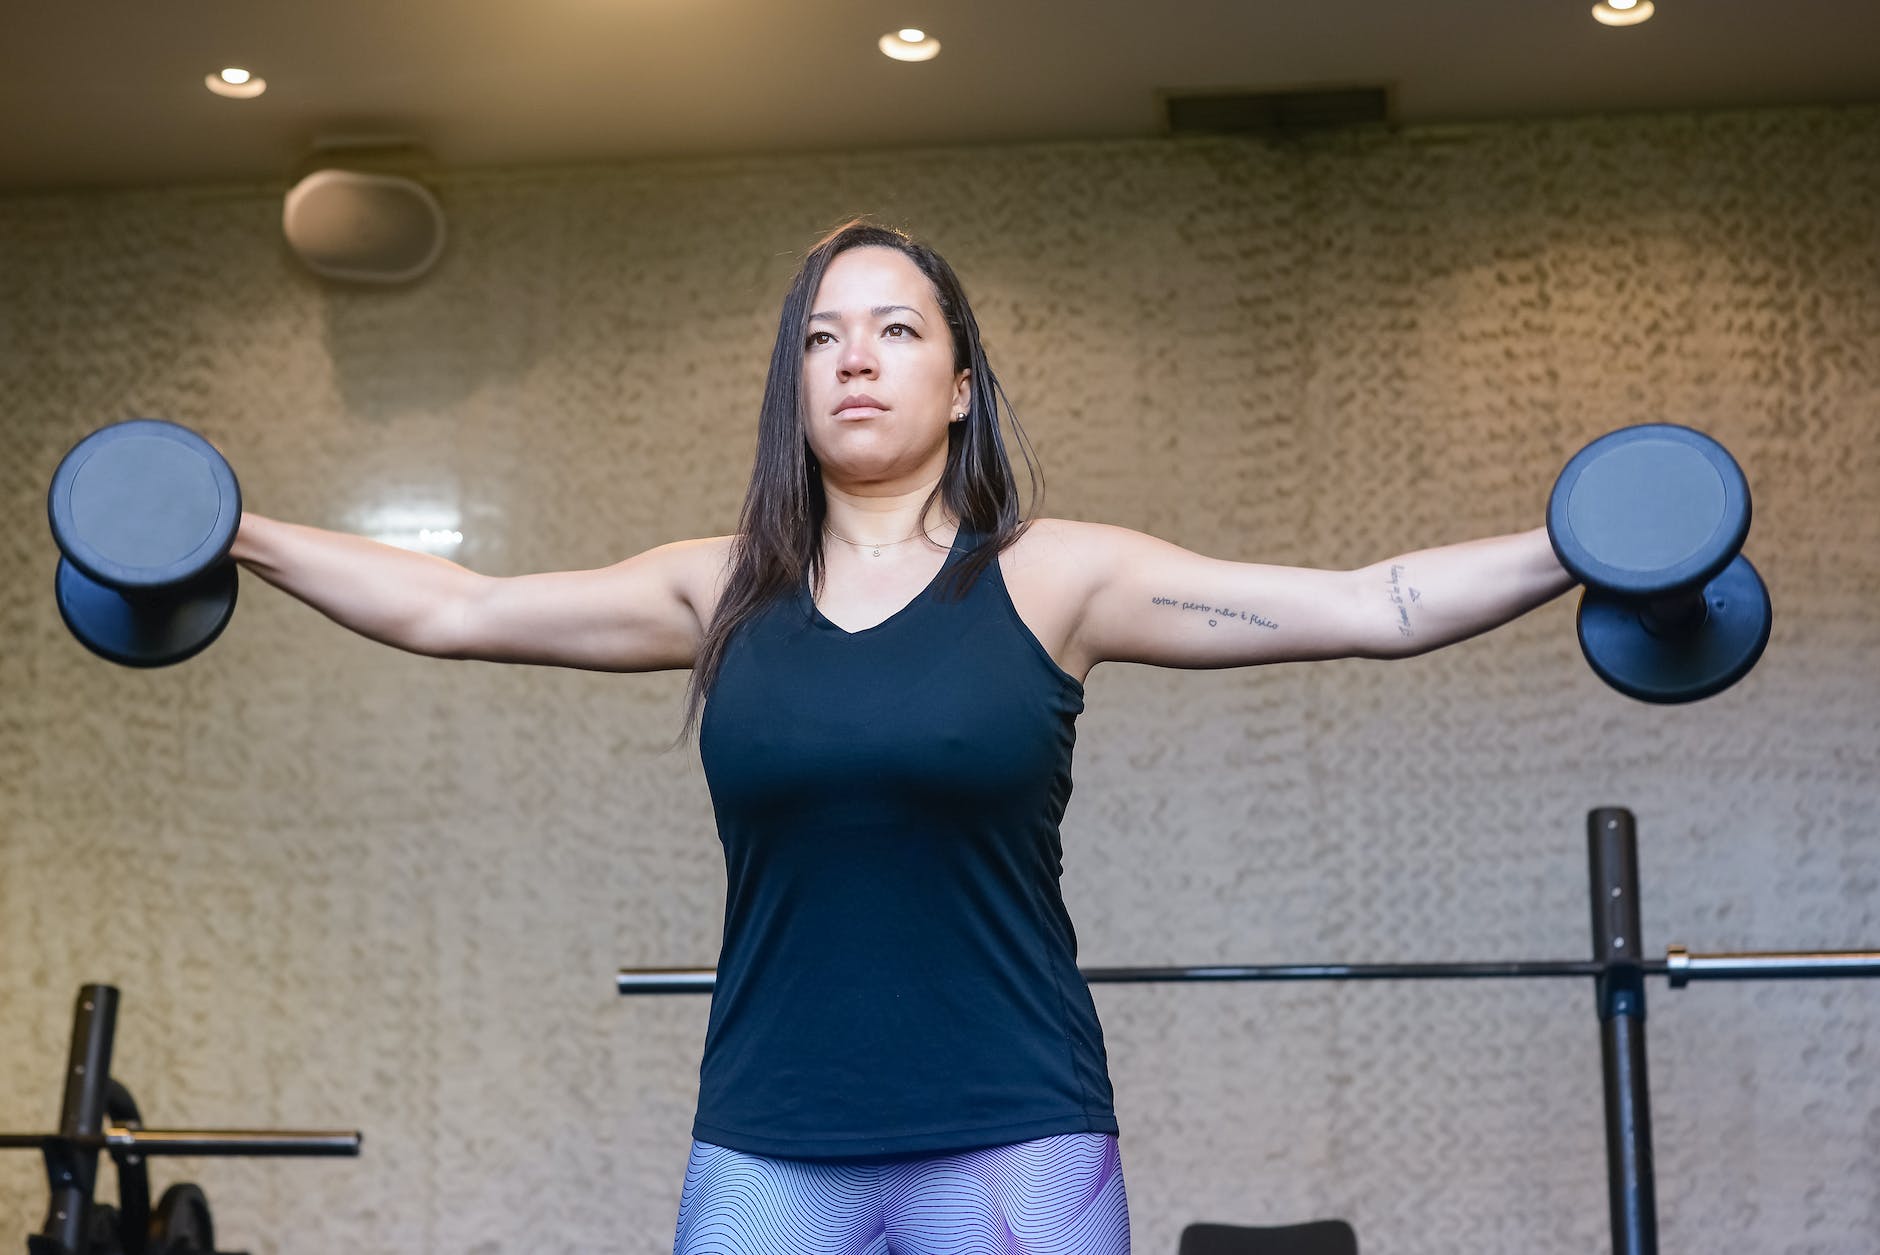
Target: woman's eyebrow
879	311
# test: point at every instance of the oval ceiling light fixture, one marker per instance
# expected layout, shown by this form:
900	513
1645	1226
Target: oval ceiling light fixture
1623	12
910	44
235	83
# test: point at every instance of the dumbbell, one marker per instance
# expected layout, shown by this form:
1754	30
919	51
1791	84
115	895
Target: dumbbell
1651	519
144	512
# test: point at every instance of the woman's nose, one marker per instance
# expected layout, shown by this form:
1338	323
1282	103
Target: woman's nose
855	360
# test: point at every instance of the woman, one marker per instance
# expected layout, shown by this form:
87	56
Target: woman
888	662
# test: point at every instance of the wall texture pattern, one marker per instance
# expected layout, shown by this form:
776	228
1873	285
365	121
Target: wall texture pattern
340	886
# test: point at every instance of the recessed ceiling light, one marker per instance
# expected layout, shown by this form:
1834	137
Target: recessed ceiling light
910	44
235	83
1623	12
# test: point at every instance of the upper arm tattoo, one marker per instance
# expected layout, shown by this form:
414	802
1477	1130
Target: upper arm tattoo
1402	596
1217	614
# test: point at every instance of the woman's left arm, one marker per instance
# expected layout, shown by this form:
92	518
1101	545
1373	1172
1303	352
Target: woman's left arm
1152	602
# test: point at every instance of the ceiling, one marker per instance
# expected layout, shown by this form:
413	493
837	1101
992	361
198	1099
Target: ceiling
110	92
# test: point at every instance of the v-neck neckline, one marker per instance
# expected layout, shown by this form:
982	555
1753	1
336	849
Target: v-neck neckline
816	611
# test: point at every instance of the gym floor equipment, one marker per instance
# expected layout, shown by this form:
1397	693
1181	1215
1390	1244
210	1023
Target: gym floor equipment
1617	968
99	1115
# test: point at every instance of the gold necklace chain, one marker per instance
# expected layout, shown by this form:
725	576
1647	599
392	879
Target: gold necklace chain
876	548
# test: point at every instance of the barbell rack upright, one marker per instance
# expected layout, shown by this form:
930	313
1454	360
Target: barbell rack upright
1619	993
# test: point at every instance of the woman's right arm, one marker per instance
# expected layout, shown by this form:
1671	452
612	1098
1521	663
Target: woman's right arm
647	613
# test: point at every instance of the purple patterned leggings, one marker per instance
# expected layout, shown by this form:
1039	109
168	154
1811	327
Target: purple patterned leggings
1058	1195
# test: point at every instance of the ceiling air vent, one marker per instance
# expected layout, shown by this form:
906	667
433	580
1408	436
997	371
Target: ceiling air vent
1273	113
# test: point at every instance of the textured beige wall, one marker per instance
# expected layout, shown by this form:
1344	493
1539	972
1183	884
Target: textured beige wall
340	886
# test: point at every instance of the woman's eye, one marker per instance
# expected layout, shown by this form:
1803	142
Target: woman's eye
898	326
817	339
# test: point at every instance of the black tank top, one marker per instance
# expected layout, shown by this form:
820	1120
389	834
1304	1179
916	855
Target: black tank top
899	974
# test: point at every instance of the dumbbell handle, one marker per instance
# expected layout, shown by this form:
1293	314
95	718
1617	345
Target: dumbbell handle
119	1139
1676	615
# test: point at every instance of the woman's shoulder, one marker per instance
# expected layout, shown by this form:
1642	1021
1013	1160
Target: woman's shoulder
698	569
702	557
1052	540
1066	555
1051	572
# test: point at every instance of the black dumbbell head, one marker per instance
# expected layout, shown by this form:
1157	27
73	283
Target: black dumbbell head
154	629
1687	661
1649	510
144	504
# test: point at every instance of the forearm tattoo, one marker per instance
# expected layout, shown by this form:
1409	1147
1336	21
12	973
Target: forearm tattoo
1217	614
1402	596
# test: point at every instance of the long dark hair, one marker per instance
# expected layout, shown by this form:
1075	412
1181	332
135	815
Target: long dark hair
779	537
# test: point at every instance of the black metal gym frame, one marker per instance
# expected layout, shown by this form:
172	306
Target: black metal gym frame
1618	968
99	1114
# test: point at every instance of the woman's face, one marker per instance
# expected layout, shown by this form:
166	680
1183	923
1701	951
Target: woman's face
879	386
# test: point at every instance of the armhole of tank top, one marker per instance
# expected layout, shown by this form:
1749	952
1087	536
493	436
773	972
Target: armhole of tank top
996	566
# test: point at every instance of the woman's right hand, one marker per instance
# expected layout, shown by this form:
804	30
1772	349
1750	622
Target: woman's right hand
647	613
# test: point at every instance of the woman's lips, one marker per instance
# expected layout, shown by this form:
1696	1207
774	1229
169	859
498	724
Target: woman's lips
859	405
